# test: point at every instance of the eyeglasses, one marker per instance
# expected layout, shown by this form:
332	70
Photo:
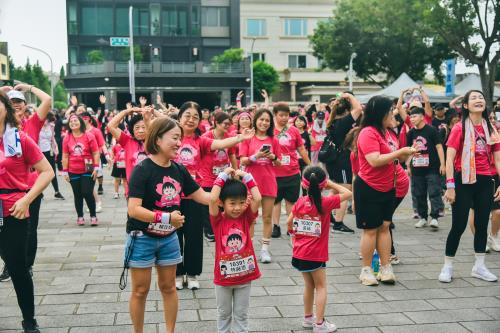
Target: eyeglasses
188	116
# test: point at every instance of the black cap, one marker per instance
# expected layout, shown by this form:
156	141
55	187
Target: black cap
439	106
320	115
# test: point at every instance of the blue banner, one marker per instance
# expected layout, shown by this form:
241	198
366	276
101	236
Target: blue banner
450	77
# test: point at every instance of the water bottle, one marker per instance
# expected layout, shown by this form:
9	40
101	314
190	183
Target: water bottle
375	262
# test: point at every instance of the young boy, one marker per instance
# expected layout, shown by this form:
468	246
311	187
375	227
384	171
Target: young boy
235	261
426	168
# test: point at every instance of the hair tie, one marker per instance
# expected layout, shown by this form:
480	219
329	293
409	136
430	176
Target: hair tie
73	116
306	183
244	114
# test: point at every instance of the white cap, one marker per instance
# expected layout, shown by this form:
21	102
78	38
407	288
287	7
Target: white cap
16	94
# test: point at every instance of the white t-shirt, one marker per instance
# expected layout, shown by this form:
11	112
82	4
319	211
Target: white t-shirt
45	139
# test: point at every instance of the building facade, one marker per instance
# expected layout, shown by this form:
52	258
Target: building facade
4	61
279	31
174	42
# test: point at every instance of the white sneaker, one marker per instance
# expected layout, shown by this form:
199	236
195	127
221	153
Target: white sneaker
179	282
192	283
481	272
116	196
446	274
308	322
98	207
494	242
386	274
367	278
265	256
421	223
325	327
434	224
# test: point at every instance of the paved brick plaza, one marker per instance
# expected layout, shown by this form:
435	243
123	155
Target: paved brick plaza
78	268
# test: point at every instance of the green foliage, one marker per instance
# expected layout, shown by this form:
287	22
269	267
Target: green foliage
386	35
62	73
229	56
60	105
95	57
265	77
138	56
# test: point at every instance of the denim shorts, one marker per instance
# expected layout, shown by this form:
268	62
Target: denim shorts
147	251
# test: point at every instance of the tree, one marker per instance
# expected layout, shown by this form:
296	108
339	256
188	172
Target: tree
472	29
386	38
265	77
95	57
138	56
229	56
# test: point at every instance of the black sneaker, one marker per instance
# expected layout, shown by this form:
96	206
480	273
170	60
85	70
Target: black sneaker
341	228
100	190
59	196
30	326
276	231
5	276
209	236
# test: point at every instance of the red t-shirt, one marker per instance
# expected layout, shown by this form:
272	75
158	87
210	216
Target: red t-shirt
235	261
214	162
204	126
134	152
119	156
354	163
193	149
380	178
98	137
319	136
79	152
262	170
15	170
485	161
32	127
311	229
402	180
289	141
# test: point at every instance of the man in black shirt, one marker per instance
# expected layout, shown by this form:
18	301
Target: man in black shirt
439	119
426	167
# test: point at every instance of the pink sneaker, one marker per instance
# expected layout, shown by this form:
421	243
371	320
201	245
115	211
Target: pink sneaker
80	221
324	327
94	222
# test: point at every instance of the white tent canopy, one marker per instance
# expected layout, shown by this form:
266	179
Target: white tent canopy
404	82
472	81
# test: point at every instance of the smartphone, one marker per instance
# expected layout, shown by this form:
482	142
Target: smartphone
265	147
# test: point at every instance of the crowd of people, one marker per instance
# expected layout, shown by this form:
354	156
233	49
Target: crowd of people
190	173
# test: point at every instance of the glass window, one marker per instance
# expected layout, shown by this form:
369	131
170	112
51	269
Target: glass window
297	61
4	69
96	20
215	16
174	21
256	27
295	27
141	21
72	18
122	21
155	19
259	57
195	21
73	53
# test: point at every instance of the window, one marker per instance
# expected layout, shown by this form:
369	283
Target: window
195	21
295	27
72	18
174	21
121	21
297	61
73	53
4	69
141	21
215	16
259	57
155	10
96	20
256	28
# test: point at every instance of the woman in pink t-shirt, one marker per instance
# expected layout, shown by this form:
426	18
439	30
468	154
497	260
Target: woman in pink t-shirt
259	156
190	154
80	162
374	187
472	164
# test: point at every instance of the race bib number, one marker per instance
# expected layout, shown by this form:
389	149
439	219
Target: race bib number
218	169
421	161
237	266
285	160
307	227
160	229
320	138
120	164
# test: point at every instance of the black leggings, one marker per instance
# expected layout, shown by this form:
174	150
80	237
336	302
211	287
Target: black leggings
32	242
13	238
191	238
83	188
52	162
397	202
478	196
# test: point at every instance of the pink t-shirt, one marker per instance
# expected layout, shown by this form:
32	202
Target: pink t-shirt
134	152
204	126
262	170
32	127
402	180
98	137
79	150
235	261
14	171
485	161
289	141
311	229
354	163
319	135
119	156
193	149
379	178
214	162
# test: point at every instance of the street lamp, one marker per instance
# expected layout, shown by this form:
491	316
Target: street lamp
353	55
51	70
251	70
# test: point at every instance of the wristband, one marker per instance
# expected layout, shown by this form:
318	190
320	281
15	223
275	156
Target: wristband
451	180
64	173
165	218
253	158
275	158
221	179
450	185
238	100
249	181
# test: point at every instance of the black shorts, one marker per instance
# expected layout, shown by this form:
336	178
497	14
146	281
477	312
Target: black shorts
306	266
118	172
496	204
288	188
340	172
372	207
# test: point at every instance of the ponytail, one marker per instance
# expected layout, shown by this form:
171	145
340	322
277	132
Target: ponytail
314	180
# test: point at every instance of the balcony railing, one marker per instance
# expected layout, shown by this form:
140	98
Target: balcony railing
160	67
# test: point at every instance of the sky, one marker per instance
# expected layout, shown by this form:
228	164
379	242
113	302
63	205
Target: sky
42	24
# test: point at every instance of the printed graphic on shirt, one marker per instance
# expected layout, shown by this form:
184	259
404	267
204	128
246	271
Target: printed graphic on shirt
234	240
170	190
139	157
220	155
420	143
481	147
78	149
284	139
307	226
120	159
187	155
235	265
